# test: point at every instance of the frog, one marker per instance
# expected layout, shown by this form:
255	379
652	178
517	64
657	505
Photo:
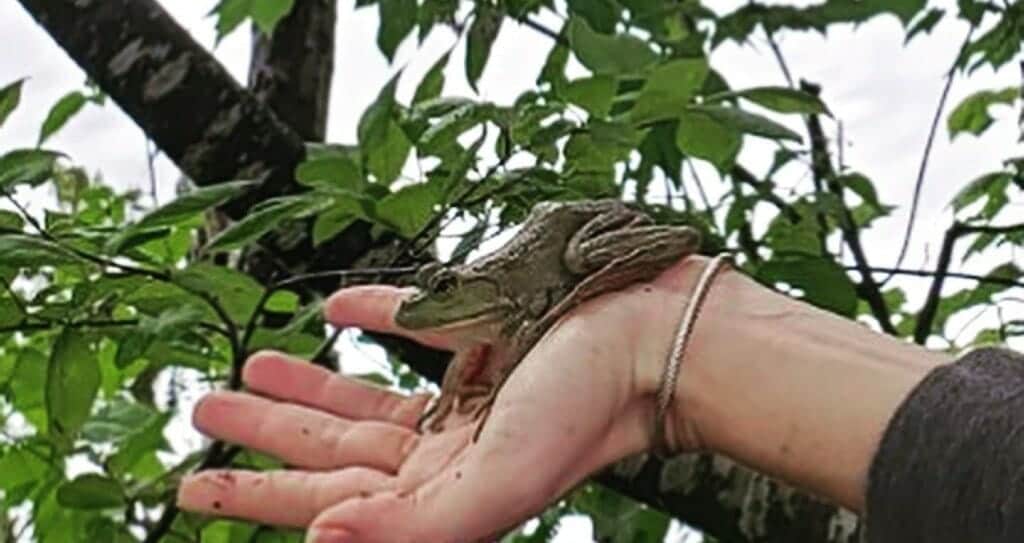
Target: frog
497	307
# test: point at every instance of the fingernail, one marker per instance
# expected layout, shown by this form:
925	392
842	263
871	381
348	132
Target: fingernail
329	535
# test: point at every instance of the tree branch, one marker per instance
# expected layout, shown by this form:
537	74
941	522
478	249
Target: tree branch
926	317
868	289
177	92
955	275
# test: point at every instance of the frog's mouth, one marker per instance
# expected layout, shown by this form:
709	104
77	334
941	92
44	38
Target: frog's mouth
462	303
449	315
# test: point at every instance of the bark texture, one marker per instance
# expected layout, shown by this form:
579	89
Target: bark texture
215	130
176	91
291	71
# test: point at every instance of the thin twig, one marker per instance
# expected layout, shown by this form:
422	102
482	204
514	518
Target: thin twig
322	355
343	274
922	168
779	58
27	326
743	175
700	191
534	25
984	279
100	261
926	317
151	153
824	174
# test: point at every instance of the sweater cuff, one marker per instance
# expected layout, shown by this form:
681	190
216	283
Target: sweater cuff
950	465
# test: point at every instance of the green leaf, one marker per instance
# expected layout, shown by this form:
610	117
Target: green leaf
972	116
748	123
254	225
283	301
594	94
23	463
10	96
482	34
331	167
65	108
397	19
980	294
925	24
10	312
601	15
433	81
553	71
170	324
409	209
230	14
613	55
384	144
117	420
267	13
91	491
133	449
21	250
442	135
193	203
989	185
130	238
860	185
234	290
702	136
10	221
330	223
72	381
781	99
668	89
823	282
800	237
27	387
27	166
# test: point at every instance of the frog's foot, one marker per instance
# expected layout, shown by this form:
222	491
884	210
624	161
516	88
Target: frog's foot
482	412
432	420
617	219
469	393
459	384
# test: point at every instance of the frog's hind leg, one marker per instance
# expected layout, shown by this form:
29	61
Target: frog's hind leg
617	218
483	411
456	386
627	266
653	247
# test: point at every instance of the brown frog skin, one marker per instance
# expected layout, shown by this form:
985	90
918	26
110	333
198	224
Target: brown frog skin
498	306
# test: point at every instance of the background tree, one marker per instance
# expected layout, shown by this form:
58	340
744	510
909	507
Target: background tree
102	300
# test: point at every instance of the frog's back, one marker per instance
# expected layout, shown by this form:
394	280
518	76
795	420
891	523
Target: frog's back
545	234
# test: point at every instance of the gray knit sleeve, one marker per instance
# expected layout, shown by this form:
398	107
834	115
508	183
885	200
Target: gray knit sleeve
950	466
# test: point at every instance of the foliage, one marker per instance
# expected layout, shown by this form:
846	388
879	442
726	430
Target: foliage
101	306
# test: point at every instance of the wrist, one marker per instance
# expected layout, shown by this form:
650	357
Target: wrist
788	389
677	290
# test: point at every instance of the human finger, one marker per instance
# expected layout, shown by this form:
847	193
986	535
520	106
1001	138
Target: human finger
293	380
301	436
373	307
281	498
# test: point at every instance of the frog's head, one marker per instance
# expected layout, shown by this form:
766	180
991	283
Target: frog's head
452	298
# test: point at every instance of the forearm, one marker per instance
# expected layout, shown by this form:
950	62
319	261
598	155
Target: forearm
791	390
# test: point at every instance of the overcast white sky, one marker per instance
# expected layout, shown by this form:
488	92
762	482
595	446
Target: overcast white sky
884	93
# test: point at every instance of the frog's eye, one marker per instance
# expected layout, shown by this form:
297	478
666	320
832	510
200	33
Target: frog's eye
443	283
427	272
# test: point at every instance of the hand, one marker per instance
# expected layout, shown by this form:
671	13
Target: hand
582	399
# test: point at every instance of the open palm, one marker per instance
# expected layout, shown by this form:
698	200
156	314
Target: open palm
362	472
